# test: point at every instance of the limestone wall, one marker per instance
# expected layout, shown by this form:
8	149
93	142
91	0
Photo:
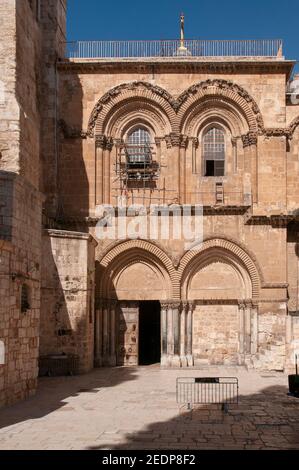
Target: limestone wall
21	200
67	318
215	335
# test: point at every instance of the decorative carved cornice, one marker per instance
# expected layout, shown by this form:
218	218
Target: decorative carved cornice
275	285
282	132
272	301
293	313
280	221
276	132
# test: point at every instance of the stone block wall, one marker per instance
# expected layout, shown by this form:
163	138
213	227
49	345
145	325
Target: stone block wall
67	310
20	264
23	35
215	334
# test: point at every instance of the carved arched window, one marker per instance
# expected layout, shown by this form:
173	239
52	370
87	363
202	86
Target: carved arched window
214	152
139	147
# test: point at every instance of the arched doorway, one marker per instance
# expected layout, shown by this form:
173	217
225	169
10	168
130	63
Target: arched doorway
134	282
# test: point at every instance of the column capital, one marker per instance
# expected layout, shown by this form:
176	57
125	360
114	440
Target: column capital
101	141
158	141
113	303
184	305
195	142
175	304
164	305
249	139
176	140
109	143
192	305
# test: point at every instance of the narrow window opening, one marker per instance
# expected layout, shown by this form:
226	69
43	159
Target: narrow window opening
25	298
214	152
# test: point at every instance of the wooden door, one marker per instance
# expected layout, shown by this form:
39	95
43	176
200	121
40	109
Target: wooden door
127	334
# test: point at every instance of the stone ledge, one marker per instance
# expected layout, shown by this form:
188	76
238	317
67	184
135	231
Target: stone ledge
71	235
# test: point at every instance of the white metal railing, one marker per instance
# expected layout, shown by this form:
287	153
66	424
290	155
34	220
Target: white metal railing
173	48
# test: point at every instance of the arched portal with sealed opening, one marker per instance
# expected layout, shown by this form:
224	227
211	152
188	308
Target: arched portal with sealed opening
221	281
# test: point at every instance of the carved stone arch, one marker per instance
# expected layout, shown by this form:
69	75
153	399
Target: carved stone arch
126	91
131	249
239	288
228	248
225	91
211	109
136	112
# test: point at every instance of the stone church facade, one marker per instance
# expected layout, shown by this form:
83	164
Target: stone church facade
82	130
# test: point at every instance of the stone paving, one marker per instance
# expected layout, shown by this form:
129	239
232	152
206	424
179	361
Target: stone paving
135	408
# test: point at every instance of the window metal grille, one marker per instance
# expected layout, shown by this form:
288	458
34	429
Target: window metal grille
214	152
138	146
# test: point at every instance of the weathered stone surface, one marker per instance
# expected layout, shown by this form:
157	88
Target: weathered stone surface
63	127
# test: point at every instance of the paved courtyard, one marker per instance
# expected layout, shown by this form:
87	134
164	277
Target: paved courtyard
136	409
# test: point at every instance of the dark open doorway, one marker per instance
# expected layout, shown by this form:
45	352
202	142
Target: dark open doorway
149	333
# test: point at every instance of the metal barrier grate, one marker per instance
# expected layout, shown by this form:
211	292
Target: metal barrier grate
207	391
58	365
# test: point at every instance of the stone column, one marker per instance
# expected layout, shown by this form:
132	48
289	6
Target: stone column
235	154
241	333
173	144
106	172
250	141
98	335
190	359
182	172
99	183
106	338
170	337
112	360
196	169
164	312
247	328
183	339
254	329
176	333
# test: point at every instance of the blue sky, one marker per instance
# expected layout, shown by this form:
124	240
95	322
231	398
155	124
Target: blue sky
205	19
